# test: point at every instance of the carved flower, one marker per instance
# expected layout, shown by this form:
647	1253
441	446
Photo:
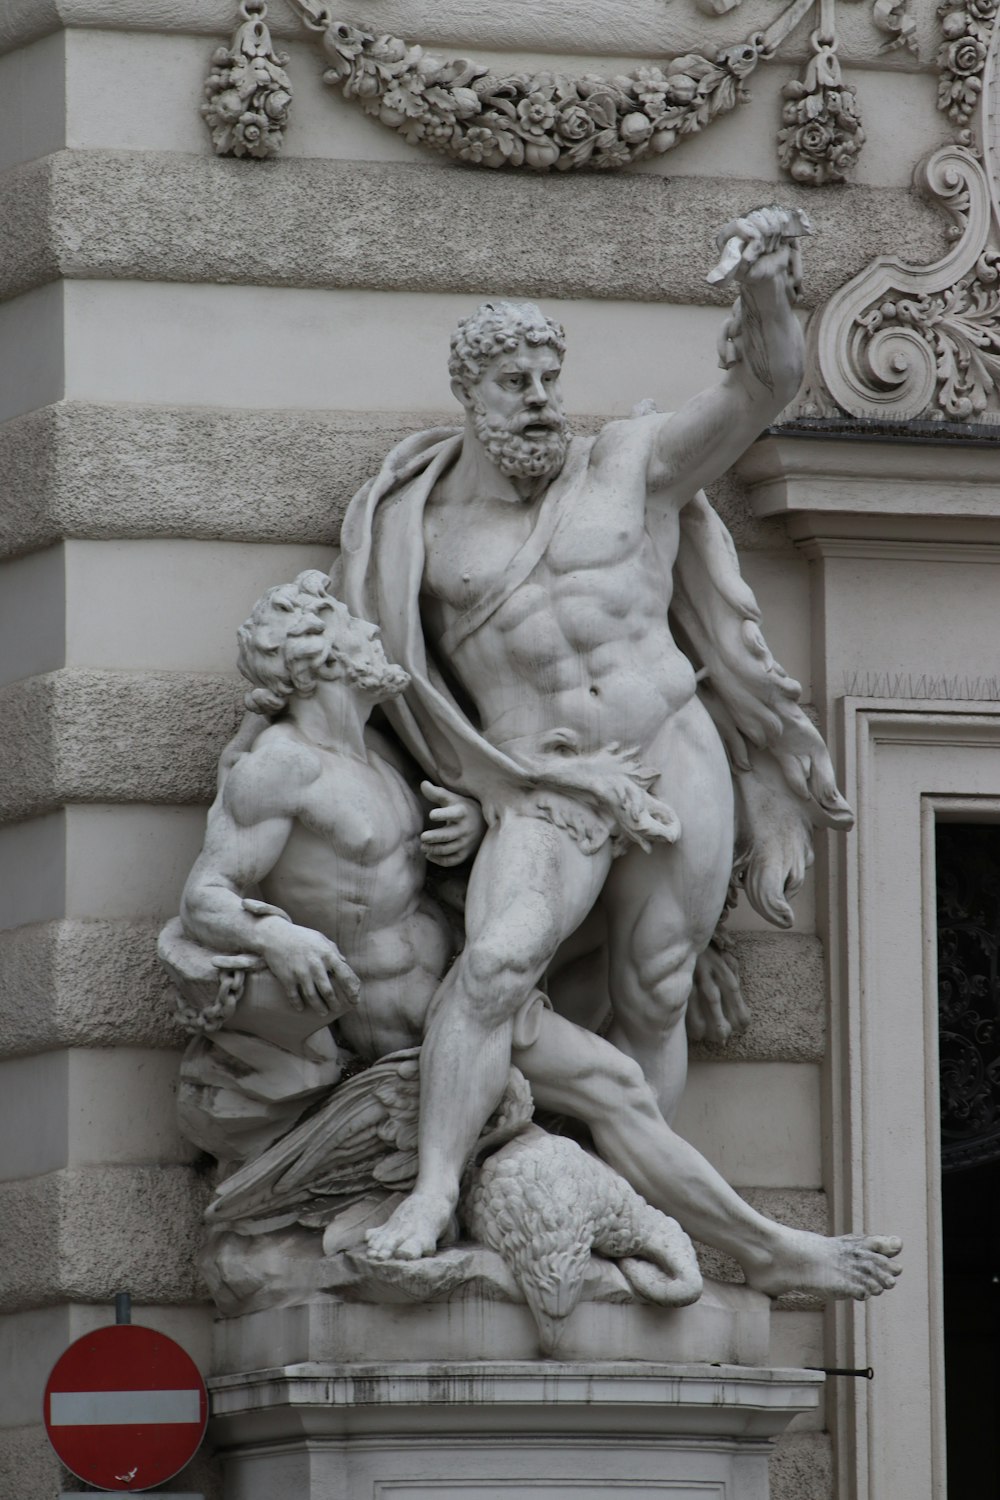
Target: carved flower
648	81
454	101
574	123
440	131
249	131
509	144
965	56
610	150
478	143
982	10
653	104
602	107
814	139
536	114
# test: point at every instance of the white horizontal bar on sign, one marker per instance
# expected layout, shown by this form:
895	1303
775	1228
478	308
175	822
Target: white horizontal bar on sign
123	1408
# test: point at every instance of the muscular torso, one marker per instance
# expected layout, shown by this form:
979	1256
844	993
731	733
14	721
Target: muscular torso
353	868
584	641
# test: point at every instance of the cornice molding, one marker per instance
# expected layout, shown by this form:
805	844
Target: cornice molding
645	27
883	499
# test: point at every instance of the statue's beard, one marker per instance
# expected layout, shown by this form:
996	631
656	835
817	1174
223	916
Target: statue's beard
521	457
381	679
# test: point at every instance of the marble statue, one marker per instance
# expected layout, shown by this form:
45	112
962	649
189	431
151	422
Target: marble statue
523	577
478	749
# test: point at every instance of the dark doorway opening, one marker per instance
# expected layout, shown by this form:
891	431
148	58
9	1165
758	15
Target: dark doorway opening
968	917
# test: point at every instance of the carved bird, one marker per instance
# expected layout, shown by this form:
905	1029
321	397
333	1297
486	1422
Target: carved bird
349	1163
543	1203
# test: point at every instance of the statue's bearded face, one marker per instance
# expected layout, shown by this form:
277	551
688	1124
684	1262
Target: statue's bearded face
517	412
355	653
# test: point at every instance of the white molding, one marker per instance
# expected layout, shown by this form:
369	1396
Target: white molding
906	763
885	499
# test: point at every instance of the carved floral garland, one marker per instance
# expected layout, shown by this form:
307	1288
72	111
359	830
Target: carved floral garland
541	120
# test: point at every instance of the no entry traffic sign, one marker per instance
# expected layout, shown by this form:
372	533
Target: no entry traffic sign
125	1408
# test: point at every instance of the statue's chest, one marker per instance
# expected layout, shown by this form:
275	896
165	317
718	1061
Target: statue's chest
365	812
467	554
470	553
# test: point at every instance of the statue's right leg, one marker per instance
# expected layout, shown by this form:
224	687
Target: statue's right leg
572	1071
531	885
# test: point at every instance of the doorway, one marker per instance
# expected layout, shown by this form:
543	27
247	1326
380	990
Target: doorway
968	929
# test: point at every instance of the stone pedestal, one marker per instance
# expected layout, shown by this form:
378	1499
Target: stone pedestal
313	1403
505	1430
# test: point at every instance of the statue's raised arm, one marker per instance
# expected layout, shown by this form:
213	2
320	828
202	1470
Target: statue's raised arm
761	350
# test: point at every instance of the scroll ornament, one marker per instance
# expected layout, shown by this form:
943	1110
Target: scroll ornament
248	92
900	342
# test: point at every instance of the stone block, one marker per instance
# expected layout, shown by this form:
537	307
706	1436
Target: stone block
84	984
802	1467
85	1233
167	216
784	987
728	1325
84	735
601	29
79	469
537	1431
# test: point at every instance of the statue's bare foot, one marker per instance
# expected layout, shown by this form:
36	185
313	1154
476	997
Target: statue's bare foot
413	1230
847	1265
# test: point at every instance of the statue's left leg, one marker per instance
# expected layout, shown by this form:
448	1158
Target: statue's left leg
663	906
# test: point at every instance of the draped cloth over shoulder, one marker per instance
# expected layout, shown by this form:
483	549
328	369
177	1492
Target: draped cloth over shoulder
754	703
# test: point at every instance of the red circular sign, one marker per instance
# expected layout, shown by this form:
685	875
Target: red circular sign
125	1408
